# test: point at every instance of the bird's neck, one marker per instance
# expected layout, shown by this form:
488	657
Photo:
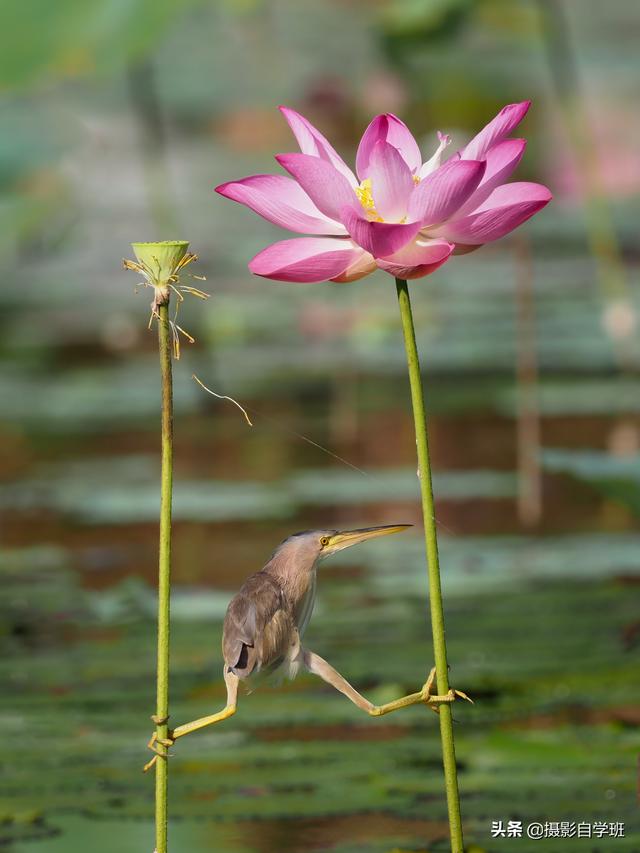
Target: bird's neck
295	582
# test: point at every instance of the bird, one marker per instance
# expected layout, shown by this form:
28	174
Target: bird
265	624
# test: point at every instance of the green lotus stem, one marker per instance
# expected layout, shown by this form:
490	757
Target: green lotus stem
164	575
433	566
159	265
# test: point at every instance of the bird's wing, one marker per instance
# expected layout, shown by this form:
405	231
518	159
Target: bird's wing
257	627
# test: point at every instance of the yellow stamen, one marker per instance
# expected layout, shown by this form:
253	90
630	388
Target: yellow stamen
364	194
365	197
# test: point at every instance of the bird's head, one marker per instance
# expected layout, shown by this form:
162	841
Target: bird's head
305	549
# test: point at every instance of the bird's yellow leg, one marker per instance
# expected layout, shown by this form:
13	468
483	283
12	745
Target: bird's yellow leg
317	665
203	722
425	695
229	710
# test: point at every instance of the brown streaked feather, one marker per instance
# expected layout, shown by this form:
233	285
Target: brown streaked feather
257	626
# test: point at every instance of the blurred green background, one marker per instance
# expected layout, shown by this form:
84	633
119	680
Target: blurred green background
119	117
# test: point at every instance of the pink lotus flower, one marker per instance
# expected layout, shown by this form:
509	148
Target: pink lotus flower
399	215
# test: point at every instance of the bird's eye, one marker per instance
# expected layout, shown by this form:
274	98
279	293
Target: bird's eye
324	541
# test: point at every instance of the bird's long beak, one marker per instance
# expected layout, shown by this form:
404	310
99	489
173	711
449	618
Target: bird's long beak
347	538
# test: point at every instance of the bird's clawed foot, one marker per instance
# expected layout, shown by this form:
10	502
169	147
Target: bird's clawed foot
154	739
433	700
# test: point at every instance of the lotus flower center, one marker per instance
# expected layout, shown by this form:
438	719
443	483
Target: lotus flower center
365	197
